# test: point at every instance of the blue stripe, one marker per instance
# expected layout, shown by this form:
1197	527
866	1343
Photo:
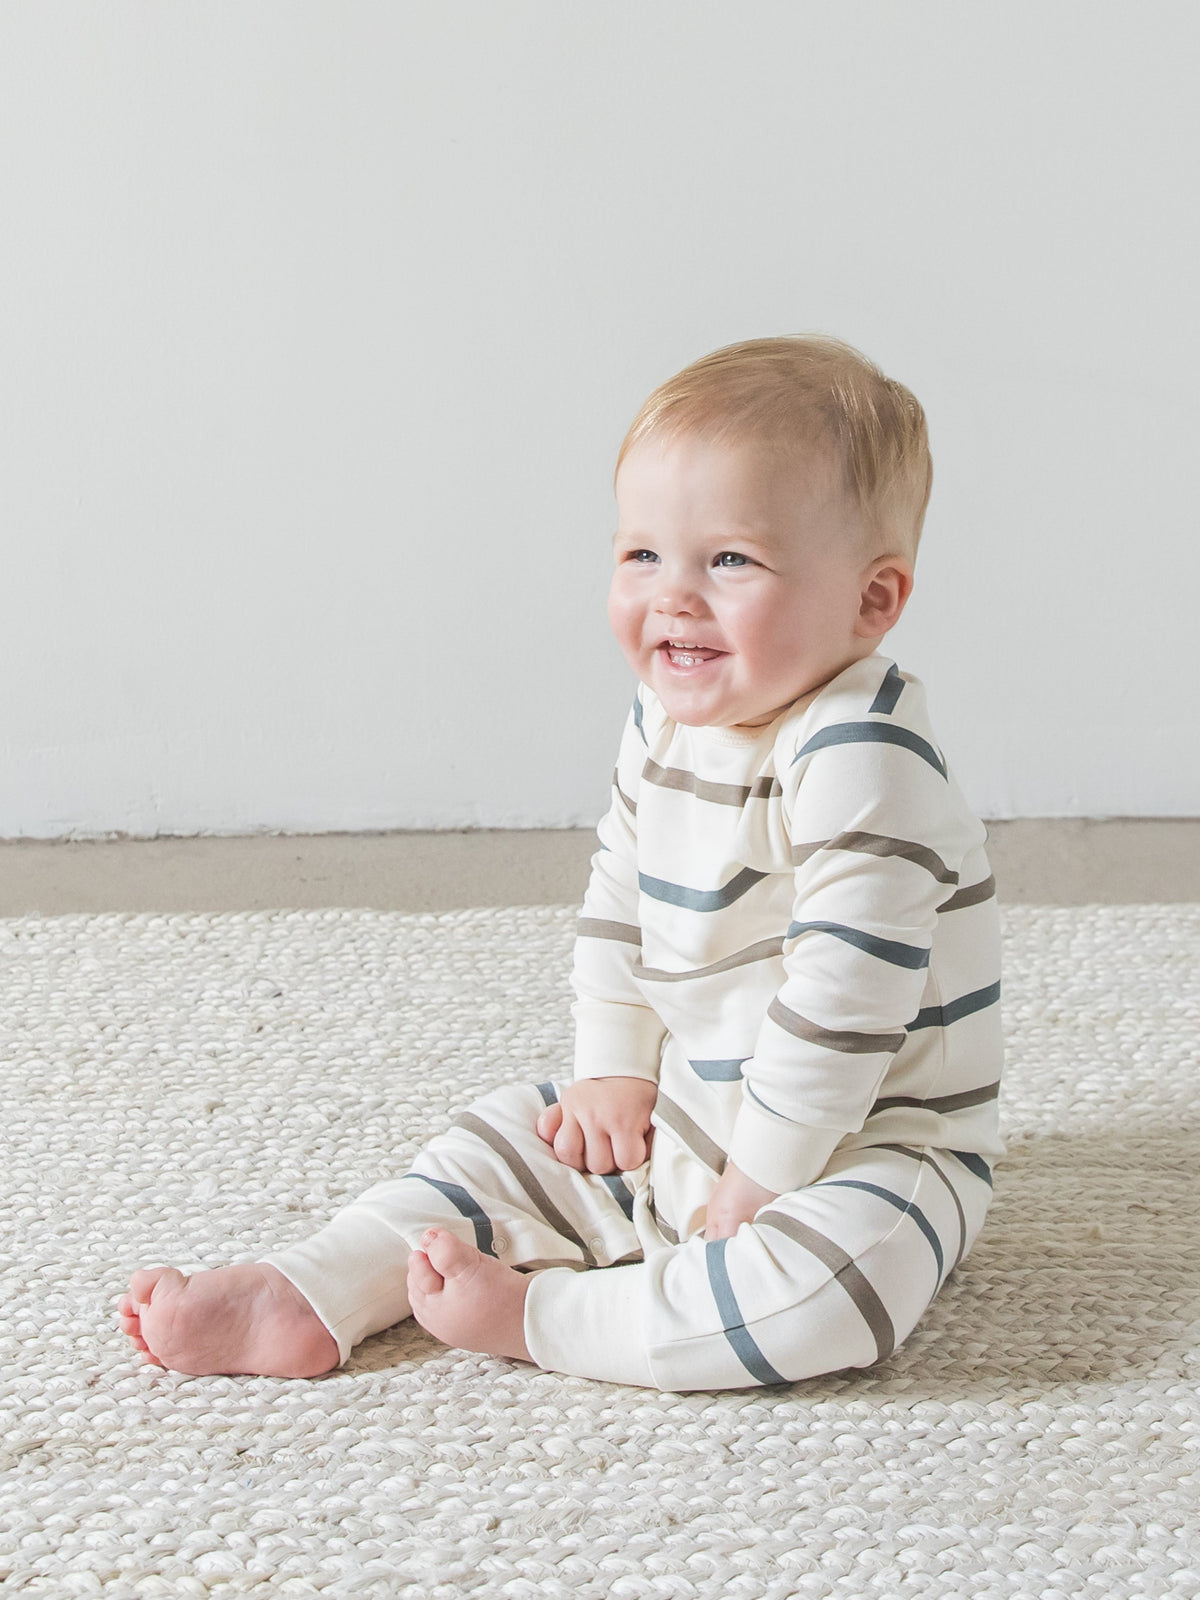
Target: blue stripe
719	1071
943	1016
873	733
675	894
900	955
890	691
548	1093
736	1331
464	1202
620	1192
975	1164
759	1101
637	719
910	1210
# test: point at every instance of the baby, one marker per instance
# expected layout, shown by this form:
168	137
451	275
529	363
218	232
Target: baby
778	1138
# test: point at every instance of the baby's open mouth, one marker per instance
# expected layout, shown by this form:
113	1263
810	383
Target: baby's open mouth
688	655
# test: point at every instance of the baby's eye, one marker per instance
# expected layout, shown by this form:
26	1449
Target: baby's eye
731	558
642	556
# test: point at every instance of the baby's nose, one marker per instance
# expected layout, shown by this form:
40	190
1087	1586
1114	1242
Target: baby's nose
679	599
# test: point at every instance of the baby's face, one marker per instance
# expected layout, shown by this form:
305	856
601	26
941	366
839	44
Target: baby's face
738	579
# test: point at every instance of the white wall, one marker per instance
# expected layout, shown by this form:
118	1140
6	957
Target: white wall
321	324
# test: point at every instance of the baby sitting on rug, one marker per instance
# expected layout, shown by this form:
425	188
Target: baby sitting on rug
778	1138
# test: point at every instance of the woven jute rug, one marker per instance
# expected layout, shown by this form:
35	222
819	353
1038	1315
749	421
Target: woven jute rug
199	1089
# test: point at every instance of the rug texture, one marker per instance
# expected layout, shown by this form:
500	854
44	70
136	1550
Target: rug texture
200	1089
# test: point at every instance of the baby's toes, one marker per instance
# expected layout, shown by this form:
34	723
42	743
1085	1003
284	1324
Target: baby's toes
144	1282
422	1278
449	1255
131	1326
129	1316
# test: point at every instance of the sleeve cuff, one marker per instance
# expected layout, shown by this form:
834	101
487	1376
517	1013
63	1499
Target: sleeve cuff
613	1040
780	1154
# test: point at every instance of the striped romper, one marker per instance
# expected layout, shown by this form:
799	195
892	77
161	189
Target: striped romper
793	930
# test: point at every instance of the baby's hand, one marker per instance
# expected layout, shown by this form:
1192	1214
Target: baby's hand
734	1201
601	1124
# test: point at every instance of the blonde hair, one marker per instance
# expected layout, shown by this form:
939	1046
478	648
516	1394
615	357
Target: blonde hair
797	393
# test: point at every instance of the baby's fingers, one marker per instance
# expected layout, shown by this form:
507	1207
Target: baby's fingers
630	1149
568	1144
600	1152
549	1122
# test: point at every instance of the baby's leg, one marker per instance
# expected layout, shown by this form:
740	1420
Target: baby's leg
495	1198
829	1277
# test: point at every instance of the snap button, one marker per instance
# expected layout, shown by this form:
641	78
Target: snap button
499	1243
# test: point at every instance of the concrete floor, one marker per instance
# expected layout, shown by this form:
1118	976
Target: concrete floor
1057	861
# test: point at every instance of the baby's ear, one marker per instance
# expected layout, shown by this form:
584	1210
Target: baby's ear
886	586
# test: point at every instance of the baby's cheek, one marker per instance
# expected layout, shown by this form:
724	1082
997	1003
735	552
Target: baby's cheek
624	618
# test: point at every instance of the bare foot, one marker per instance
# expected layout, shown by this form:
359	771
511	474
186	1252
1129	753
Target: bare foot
244	1319
467	1299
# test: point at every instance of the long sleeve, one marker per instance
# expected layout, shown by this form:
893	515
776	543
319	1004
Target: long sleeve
877	836
617	1034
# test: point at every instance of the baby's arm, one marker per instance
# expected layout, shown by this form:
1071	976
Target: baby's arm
601	1124
603	1121
877	840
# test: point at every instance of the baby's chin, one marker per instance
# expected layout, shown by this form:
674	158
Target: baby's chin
734	721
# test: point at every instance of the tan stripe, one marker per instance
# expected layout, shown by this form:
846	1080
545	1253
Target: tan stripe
762	951
801	852
664	1227
630	1258
630	805
855	1044
879	844
524	1176
721	794
941	1103
973	895
697	1141
598	928
874	1312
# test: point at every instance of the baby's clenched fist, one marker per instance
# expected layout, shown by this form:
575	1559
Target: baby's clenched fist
601	1124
